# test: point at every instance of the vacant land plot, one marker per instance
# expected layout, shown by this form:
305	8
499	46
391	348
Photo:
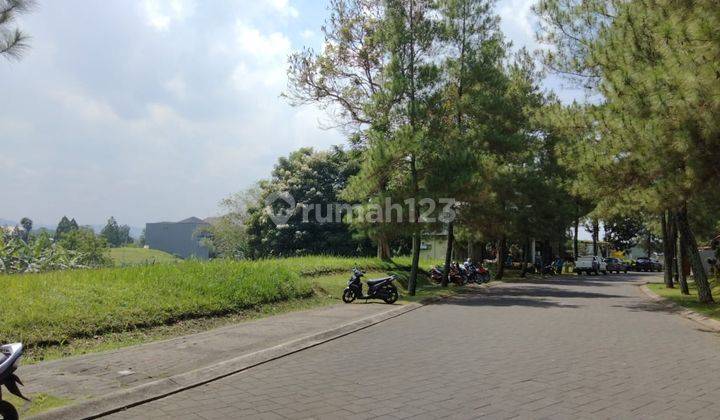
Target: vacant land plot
51	309
139	256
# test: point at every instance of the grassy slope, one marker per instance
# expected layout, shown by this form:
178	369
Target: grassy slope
138	256
57	307
689	301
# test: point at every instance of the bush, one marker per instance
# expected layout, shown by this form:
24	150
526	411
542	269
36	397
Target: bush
41	254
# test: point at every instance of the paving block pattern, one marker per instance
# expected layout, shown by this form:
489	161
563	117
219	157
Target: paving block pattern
588	347
95	375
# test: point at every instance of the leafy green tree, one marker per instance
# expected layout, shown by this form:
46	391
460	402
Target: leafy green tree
311	178
659	141
27	225
13	42
623	232
470	37
227	235
411	79
91	248
344	77
125	237
115	234
65	226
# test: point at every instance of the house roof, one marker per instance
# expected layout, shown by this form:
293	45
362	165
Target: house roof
192	220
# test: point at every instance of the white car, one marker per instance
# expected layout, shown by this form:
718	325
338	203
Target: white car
591	264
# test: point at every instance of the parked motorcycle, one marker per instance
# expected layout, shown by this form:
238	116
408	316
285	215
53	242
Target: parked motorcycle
483	274
475	273
382	288
456	276
436	274
9	360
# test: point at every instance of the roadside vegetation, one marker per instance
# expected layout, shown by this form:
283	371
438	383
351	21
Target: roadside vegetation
53	309
689	301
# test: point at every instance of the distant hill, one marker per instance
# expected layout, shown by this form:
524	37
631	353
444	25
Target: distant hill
6	222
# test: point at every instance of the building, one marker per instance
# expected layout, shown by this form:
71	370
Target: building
433	246
182	239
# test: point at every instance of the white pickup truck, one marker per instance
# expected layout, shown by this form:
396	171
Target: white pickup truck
591	265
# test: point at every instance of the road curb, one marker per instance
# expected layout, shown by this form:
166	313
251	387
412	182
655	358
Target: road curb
121	400
709	323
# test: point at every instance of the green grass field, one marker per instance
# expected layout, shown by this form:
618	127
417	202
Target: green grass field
690	301
55	308
139	256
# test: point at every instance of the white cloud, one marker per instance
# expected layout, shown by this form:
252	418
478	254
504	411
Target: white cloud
307	34
160	14
283	7
518	22
262	58
84	106
260	46
177	87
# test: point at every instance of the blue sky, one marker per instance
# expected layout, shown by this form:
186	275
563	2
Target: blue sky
157	109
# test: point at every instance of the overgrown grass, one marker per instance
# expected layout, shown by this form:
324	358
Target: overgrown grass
51	309
689	301
40	403
139	256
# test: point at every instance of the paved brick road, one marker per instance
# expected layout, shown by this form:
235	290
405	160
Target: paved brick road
591	347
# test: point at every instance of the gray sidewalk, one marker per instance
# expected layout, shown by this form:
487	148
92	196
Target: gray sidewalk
89	377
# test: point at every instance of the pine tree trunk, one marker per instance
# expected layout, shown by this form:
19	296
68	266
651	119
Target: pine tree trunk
667	250
672	239
525	252
680	263
701	281
383	248
412	281
500	258
595	235
448	255
577	227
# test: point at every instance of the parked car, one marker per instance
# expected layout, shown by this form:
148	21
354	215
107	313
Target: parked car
590	264
617	265
657	265
647	264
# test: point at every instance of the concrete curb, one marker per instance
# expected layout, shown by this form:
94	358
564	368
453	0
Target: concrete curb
120	400
709	323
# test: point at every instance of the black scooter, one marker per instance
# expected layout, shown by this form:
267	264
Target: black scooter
377	289
9	360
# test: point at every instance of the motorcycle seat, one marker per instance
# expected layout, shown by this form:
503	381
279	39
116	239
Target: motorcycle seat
373	282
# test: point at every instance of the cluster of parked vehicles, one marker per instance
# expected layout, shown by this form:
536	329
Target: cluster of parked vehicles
384	288
459	274
592	264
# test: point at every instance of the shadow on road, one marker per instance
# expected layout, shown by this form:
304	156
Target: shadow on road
570	281
650	306
524	294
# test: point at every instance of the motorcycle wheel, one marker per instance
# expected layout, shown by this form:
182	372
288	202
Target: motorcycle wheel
348	296
392	296
8	411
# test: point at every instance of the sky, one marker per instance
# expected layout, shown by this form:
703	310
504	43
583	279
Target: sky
155	110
